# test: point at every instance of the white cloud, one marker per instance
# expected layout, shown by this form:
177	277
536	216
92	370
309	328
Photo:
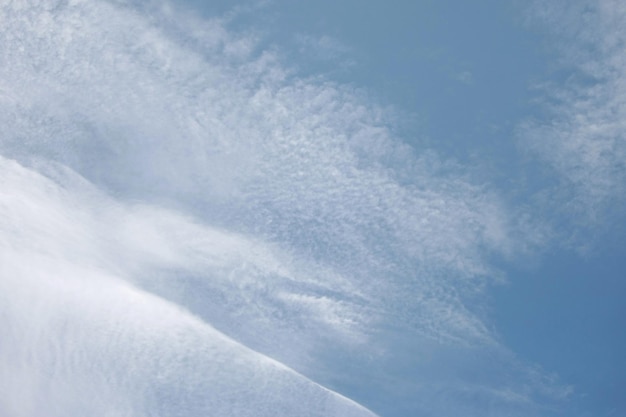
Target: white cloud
295	223
308	165
584	136
79	340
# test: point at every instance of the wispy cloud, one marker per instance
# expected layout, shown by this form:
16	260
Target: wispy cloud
173	164
583	137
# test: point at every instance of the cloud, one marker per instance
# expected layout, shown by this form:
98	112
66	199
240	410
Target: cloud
170	163
72	324
583	137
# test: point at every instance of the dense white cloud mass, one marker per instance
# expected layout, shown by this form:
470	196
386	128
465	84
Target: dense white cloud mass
180	198
78	339
584	139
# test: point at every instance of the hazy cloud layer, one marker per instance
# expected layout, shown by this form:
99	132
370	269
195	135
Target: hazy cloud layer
175	179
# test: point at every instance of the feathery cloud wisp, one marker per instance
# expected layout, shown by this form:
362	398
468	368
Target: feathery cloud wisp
584	139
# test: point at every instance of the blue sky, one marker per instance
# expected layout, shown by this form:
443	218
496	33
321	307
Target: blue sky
313	209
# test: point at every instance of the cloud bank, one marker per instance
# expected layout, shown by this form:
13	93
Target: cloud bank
179	207
79	339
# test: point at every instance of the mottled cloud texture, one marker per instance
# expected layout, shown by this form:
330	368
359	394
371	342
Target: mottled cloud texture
189	228
584	138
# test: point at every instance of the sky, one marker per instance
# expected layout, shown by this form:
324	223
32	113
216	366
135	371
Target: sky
278	208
